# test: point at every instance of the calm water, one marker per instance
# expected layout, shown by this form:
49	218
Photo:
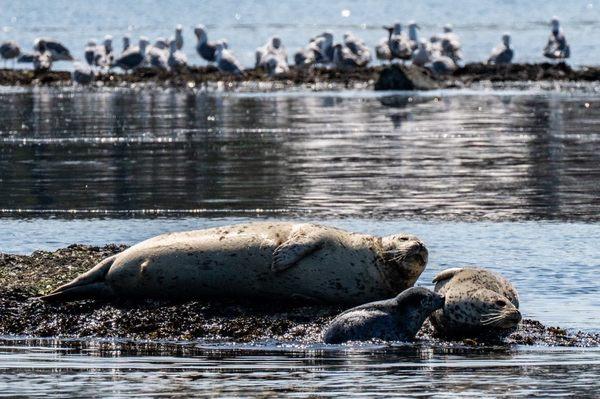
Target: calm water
248	24
508	179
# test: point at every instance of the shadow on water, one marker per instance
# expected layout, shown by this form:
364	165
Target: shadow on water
510	156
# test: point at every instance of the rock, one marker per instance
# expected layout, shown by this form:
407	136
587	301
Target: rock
400	77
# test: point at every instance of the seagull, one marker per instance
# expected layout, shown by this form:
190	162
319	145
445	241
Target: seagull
451	44
308	56
89	53
57	50
158	54
82	73
9	51
177	58
273	46
502	53
126	42
557	47
325	43
41	58
412	35
104	56
179	36
134	57
226	62
421	56
274	64
396	45
343	58
442	65
206	49
358	48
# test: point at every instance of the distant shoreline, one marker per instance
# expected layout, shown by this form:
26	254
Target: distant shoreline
394	77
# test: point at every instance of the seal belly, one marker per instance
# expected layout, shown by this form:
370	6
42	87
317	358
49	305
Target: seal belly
202	265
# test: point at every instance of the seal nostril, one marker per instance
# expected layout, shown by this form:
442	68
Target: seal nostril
500	303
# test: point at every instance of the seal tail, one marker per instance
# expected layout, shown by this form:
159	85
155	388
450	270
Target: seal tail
91	284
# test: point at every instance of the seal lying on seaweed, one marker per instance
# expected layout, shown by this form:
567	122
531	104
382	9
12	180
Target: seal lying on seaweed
396	319
274	260
478	302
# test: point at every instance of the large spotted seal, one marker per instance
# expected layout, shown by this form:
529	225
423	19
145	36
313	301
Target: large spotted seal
275	260
396	319
477	302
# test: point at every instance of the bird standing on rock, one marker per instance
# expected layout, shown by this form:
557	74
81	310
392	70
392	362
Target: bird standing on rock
226	61
9	51
134	57
557	47
272	57
177	58
502	54
41	58
396	46
179	37
57	50
207	50
158	54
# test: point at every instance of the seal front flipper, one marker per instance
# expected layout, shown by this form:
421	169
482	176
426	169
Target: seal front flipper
294	249
444	276
89	285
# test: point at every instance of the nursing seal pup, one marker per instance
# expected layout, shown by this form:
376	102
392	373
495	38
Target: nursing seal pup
274	260
477	302
396	319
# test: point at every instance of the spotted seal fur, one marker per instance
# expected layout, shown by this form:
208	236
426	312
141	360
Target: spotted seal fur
274	260
396	319
478	302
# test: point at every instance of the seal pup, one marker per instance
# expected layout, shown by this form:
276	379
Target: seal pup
478	302
273	260
396	319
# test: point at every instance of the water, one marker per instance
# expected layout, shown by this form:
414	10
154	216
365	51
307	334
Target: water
249	24
502	155
305	372
507	179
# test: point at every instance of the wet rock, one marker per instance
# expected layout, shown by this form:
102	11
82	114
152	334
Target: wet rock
24	277
400	77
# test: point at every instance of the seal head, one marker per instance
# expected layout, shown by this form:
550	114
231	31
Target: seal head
403	258
478	303
395	319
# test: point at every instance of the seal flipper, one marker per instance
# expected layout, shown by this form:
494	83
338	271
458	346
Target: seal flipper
446	274
294	249
88	285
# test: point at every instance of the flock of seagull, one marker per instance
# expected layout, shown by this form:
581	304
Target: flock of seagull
440	54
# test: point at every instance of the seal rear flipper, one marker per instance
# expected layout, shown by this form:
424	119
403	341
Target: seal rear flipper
95	290
294	249
446	274
88	285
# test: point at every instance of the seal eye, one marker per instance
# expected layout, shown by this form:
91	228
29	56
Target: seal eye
500	303
403	238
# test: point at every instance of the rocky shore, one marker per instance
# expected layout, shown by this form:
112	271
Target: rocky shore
392	77
24	277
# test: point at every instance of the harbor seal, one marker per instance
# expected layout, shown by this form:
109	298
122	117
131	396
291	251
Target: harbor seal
396	319
478	302
274	260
